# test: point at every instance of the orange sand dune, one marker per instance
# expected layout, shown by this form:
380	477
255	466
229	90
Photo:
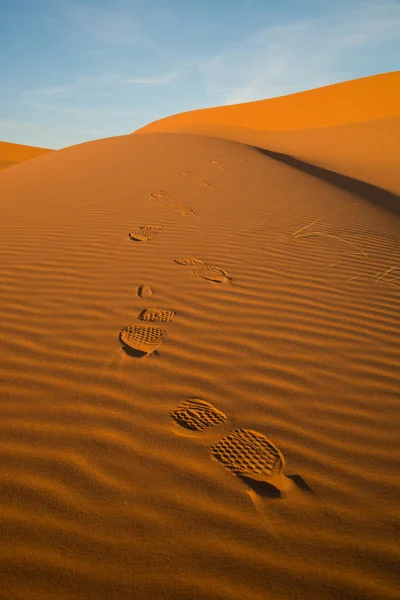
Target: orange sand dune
102	494
12	154
365	99
352	127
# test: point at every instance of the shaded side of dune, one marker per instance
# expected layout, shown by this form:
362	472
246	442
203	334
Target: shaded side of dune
372	193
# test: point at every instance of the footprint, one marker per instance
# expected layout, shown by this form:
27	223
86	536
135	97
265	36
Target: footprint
202	183
197	415
183	210
144	291
144	234
252	456
212	273
188	261
206	271
249	453
218	165
255	459
142	339
185	173
162	194
156	315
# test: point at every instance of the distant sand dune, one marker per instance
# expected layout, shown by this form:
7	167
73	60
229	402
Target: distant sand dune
12	154
102	494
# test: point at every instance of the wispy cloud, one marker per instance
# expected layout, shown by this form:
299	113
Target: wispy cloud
16	125
98	85
119	24
160	80
84	83
303	54
84	113
60	90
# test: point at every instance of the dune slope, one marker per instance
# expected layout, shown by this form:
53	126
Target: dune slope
102	494
12	154
352	127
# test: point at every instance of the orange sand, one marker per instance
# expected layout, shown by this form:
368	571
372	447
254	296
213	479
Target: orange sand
12	154
102	494
351	128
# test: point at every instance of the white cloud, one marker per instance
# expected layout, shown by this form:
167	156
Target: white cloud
303	54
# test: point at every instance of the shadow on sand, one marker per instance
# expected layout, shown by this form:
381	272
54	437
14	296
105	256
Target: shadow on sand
372	193
268	490
138	353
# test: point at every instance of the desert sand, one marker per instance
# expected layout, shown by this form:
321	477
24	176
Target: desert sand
12	154
105	492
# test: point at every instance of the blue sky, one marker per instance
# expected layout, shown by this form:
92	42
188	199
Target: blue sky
77	70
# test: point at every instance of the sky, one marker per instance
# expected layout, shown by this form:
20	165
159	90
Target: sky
78	70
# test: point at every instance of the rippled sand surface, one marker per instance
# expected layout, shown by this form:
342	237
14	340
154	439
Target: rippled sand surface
102	493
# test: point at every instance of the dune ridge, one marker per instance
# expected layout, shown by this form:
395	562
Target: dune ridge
102	493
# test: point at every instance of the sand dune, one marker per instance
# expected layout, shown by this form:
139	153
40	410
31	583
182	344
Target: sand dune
12	154
355	101
103	493
351	128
